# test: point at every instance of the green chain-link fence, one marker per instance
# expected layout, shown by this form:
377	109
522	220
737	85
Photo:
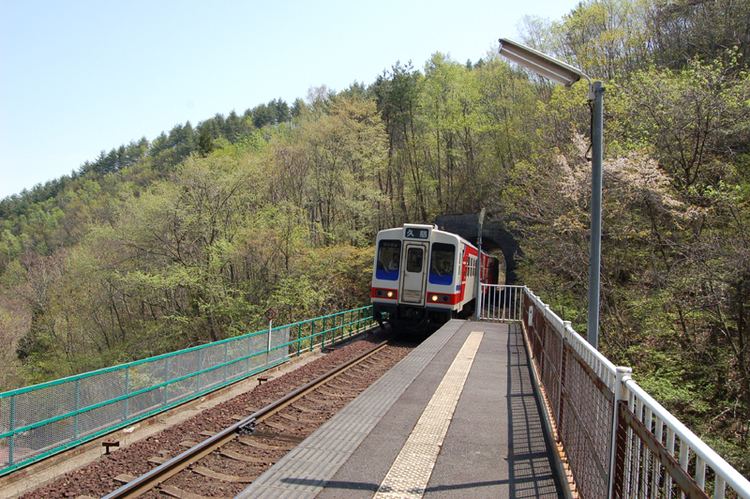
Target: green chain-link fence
41	420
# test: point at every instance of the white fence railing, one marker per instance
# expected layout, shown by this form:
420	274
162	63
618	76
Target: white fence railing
618	441
501	303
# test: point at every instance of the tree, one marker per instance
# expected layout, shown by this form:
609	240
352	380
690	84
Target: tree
695	119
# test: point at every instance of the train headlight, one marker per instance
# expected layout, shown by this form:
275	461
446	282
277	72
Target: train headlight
389	294
434	297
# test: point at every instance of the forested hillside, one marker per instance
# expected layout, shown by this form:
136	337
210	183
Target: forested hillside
189	237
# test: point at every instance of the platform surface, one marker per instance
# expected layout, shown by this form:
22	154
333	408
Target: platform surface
438	424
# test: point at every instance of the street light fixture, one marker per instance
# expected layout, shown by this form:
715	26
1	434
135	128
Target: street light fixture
565	74
540	63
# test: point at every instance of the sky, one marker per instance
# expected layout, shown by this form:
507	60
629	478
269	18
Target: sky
78	77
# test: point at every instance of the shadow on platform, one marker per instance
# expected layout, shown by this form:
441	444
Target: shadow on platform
529	455
336	484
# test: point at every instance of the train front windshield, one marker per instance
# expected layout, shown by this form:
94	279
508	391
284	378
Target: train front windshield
389	258
441	263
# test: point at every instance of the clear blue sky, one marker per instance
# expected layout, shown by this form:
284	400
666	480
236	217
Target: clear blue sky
77	77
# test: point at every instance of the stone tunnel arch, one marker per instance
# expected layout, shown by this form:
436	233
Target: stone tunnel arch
495	237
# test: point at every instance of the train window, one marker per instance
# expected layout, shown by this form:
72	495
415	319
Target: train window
389	258
441	263
414	260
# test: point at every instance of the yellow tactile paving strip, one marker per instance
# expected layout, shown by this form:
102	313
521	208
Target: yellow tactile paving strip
410	472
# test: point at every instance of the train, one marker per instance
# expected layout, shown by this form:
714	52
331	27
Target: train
423	276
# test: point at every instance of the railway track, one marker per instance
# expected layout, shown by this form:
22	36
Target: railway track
227	461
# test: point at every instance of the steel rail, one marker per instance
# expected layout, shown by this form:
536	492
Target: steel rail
171	467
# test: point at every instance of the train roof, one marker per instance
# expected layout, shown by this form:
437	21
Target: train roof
399	231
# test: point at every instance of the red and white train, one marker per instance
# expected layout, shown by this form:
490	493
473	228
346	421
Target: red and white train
423	275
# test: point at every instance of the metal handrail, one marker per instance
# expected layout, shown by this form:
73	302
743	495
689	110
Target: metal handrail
710	457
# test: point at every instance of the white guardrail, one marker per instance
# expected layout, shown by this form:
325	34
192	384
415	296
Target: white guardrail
618	441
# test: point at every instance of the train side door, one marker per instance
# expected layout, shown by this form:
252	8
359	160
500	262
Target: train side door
413	273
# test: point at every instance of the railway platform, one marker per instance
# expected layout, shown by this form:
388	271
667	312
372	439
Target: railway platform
458	417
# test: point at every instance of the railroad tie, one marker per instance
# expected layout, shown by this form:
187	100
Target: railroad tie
298	419
303	408
337	395
209	473
251	442
237	456
280	427
172	491
315	400
277	437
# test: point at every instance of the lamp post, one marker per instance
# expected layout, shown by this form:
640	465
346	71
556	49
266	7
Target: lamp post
565	74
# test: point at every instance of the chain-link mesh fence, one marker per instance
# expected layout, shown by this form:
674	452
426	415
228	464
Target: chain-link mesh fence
585	417
41	420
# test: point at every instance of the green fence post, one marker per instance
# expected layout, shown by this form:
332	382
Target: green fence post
268	341
312	333
299	337
12	443
166	378
77	406
323	335
226	359
249	354
126	402
200	367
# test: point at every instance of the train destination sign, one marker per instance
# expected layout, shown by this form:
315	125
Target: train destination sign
412	233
